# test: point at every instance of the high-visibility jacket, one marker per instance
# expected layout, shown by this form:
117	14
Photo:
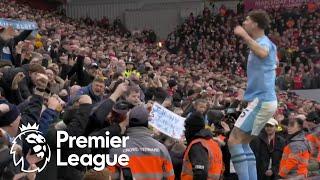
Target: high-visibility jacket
215	167
148	158
128	73
295	157
314	141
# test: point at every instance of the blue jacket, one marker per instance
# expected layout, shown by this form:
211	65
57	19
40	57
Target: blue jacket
47	118
87	90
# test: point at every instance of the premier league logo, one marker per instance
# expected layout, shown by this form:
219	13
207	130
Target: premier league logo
37	144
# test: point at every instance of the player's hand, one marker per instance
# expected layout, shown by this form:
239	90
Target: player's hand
239	31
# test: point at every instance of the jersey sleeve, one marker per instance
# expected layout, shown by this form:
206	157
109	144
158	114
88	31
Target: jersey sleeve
265	44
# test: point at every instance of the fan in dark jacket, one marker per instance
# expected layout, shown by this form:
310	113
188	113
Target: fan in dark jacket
8	43
101	110
268	148
197	154
80	74
26	86
74	123
10	121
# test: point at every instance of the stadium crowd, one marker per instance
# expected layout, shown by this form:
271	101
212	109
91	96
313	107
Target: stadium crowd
83	77
295	31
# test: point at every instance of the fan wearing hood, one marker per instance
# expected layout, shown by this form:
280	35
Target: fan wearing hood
203	157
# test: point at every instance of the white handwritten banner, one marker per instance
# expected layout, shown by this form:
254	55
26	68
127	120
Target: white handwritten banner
167	122
17	24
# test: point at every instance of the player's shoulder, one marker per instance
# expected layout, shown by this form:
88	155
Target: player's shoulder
266	42
264	39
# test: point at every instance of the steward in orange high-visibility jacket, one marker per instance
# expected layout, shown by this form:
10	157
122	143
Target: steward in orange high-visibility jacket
203	157
313	137
314	141
296	153
148	158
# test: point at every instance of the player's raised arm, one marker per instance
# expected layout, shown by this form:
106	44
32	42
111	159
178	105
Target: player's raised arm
259	50
252	30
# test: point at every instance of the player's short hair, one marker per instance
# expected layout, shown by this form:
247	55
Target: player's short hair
261	18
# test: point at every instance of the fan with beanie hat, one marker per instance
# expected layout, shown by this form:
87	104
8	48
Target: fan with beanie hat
6	118
9	116
193	124
139	116
119	111
122	107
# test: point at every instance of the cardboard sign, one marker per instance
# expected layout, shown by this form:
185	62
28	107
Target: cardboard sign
167	122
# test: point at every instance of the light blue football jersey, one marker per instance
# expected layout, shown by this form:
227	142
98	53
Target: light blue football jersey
261	73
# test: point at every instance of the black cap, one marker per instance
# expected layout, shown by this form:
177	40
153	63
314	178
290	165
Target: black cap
122	107
195	122
7	118
139	116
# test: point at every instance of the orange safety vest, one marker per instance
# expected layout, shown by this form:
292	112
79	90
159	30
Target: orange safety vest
148	159
146	168
314	142
215	168
293	162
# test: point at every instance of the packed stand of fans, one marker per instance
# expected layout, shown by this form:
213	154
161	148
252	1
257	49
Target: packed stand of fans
84	79
209	38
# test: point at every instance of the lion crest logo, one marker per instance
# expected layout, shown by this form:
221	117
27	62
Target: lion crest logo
37	144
